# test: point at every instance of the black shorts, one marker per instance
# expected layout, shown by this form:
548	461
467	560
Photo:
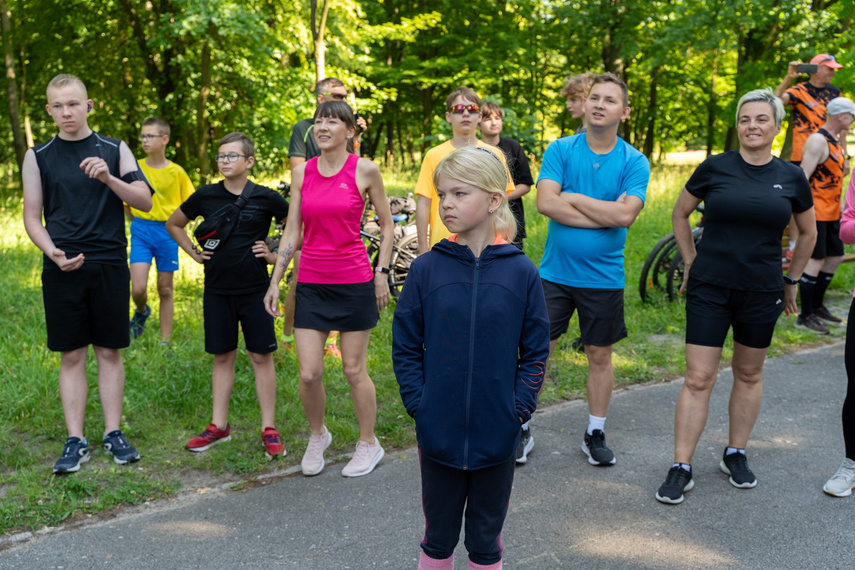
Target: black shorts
86	306
711	310
828	242
224	312
341	307
600	312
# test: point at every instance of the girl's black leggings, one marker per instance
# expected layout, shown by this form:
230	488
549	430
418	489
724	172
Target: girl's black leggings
849	402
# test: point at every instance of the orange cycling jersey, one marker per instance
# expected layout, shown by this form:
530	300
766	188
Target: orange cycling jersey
826	182
808	104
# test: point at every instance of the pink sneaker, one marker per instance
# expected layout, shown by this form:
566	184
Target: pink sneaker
313	460
365	459
212	435
272	443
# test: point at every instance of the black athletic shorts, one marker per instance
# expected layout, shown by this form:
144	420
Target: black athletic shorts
711	310
224	312
828	242
343	307
600	312
86	306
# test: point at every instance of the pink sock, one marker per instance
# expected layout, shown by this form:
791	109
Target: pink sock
493	566
428	563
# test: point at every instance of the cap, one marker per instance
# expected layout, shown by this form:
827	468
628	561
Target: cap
840	105
826	60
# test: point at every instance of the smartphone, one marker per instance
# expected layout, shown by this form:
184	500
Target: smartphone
807	68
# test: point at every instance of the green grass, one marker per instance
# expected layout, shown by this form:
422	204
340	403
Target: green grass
168	394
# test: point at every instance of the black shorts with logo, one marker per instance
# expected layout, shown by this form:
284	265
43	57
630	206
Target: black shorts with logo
601	319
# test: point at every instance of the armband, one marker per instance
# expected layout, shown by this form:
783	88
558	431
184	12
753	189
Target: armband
137	175
789	280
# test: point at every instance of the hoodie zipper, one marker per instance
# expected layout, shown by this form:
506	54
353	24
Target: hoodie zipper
471	363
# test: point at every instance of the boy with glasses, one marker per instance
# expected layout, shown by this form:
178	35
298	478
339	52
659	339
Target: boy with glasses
236	280
149	238
463	112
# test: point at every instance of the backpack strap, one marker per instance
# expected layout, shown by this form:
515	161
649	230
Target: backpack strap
245	195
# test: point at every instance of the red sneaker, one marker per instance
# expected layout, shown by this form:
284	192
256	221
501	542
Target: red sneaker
332	350
209	437
272	443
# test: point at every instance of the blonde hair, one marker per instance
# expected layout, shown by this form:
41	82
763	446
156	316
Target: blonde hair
482	168
63	80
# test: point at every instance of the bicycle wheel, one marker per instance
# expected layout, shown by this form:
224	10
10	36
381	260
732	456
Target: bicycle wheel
677	268
403	254
645	281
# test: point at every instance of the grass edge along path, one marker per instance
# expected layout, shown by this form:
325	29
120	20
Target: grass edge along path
168	395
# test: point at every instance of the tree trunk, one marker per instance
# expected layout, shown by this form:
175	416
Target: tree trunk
202	131
712	107
650	135
12	86
318	30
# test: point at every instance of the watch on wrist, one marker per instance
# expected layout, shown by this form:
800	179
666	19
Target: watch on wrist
382	270
789	280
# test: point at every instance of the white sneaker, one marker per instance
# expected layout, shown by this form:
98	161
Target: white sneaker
365	459
843	482
313	460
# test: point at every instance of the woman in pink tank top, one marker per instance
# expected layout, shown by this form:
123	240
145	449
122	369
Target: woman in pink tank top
336	287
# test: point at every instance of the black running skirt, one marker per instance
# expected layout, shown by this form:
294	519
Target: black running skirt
346	307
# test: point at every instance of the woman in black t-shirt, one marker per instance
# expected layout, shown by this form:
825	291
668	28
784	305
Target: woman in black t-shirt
733	280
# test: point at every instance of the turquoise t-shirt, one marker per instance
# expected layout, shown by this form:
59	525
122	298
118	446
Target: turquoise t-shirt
583	257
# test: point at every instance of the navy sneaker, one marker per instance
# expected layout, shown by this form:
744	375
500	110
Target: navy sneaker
137	325
525	446
676	483
736	465
594	446
116	444
75	452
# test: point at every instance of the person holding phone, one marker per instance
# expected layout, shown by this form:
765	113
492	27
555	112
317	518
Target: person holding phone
809	98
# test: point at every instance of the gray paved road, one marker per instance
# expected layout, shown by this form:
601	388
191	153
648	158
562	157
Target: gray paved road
564	513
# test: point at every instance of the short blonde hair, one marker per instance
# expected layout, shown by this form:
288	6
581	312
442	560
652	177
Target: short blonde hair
63	80
482	168
578	86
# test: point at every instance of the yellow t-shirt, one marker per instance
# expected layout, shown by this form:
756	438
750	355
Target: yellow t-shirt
425	187
171	187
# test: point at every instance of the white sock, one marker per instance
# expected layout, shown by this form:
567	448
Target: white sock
792	244
732	450
525	426
684	466
595	422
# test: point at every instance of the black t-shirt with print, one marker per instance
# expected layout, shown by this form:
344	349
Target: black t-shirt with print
520	174
233	269
746	209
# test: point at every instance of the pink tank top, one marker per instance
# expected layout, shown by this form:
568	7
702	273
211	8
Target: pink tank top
331	207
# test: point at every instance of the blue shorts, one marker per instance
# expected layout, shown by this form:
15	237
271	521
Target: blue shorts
149	239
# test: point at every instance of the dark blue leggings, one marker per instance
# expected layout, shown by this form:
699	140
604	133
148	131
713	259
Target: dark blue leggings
849	402
484	493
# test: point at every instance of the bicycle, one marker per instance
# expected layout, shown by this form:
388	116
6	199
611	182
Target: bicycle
405	245
663	268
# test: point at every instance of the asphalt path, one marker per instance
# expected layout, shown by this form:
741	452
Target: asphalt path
564	513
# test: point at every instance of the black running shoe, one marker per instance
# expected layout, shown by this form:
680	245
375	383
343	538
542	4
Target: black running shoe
824	314
525	446
736	465
137	324
75	452
676	483
594	446
116	444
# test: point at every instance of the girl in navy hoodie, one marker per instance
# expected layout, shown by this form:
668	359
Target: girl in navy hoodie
470	342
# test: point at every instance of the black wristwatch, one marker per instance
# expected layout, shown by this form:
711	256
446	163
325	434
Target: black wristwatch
789	280
382	270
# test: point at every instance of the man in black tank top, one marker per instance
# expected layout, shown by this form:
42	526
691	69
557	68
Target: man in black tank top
79	180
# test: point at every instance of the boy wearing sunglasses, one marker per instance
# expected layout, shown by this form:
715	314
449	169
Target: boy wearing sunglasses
463	113
149	238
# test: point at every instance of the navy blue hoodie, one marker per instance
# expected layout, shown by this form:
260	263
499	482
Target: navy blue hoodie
469	348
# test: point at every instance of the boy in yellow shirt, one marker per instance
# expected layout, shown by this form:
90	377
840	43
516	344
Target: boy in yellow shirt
149	238
463	112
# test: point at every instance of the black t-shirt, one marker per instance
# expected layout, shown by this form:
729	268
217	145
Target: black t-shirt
520	174
82	214
746	209
302	141
234	269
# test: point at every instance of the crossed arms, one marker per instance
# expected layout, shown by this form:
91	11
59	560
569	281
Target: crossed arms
580	211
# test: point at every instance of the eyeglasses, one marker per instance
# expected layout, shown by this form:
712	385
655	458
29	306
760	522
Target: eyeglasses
149	137
460	109
336	96
227	158
827	58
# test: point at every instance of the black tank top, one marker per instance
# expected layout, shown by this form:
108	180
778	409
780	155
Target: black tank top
82	214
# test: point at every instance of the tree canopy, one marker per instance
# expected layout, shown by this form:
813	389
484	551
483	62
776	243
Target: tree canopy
210	67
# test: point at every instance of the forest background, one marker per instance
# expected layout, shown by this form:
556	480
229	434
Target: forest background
214	66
